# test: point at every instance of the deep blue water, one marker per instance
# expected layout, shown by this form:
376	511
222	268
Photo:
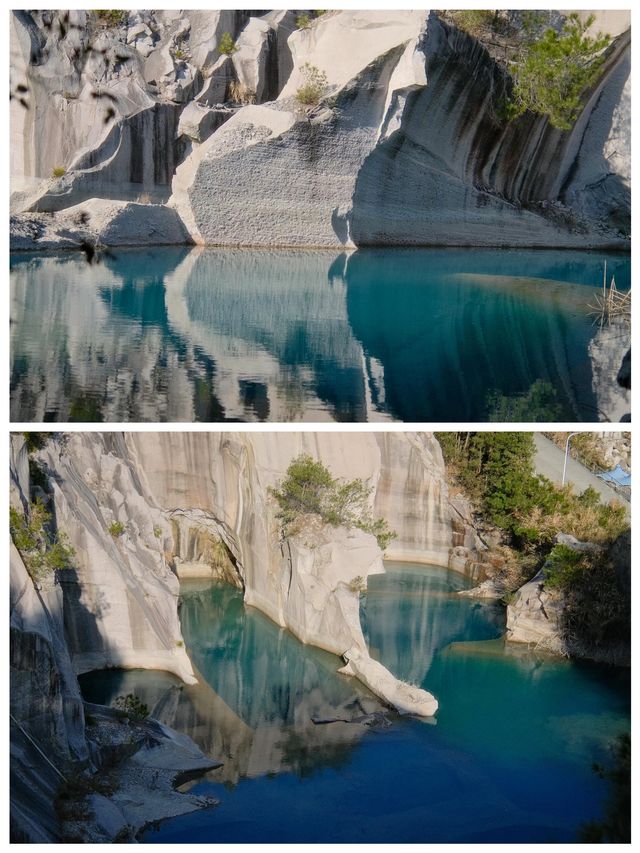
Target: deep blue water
508	759
169	334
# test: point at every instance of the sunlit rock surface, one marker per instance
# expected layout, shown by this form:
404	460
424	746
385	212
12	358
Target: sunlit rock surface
535	616
387	176
404	697
120	601
122	500
405	149
99	222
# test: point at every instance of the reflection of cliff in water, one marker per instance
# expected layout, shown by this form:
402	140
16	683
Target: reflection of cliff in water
278	319
181	335
457	326
258	690
407	609
240	335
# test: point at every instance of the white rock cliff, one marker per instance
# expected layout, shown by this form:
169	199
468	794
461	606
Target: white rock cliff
405	148
122	500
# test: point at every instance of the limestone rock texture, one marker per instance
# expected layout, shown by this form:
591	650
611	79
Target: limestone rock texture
120	601
138	506
405	146
535	616
406	149
76	619
98	221
45	705
404	697
607	349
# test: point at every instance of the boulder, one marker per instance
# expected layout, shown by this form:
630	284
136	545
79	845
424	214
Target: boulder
256	61
405	698
535	616
198	122
215	89
576	545
98	222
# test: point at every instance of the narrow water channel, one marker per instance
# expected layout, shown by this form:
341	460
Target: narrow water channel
509	758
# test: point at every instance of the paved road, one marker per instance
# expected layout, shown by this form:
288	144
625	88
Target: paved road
549	460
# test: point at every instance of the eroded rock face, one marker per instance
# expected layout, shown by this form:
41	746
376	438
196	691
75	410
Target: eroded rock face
535	617
120	602
417	152
103	101
406	148
45	702
133	504
404	697
411	494
100	222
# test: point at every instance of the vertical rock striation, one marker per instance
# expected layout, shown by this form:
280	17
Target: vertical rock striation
407	145
133	504
120	602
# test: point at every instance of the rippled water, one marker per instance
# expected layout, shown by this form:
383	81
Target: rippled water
168	334
509	758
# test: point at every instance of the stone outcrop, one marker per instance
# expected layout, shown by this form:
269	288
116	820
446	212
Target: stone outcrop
535	616
404	697
120	602
607	349
51	741
98	222
387	177
132	505
406	147
411	494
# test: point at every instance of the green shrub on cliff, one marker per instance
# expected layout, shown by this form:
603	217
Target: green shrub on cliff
496	471
111	17
116	529
309	489
315	83
554	71
472	21
133	706
42	550
36	440
227	45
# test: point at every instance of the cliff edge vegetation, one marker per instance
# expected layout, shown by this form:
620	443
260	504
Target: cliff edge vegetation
570	547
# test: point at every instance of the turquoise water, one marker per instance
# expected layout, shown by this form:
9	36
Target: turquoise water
169	334
508	759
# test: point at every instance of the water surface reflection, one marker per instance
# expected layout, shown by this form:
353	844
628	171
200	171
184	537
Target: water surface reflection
170	334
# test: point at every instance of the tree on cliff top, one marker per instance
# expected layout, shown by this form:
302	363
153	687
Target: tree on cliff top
309	489
556	69
552	61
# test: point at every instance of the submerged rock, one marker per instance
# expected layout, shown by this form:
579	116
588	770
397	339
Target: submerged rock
405	698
